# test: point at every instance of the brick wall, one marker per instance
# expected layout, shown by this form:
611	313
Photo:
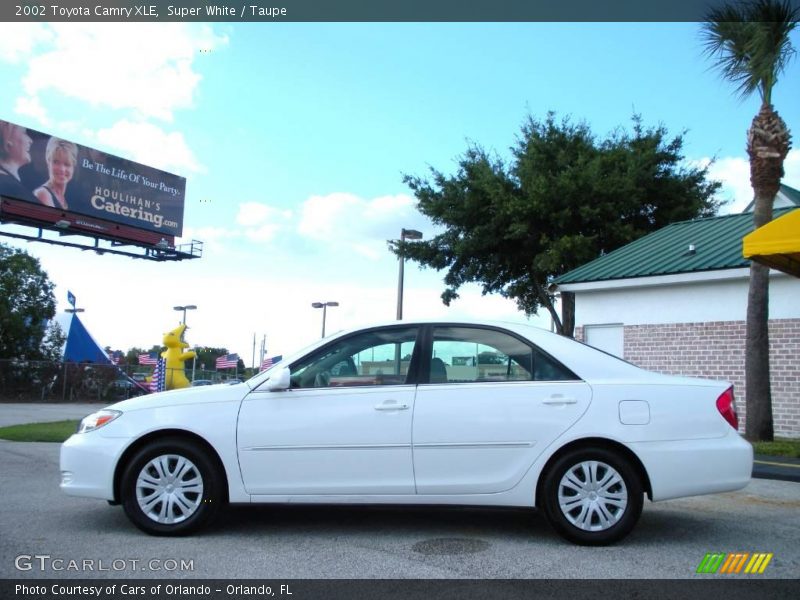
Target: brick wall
716	350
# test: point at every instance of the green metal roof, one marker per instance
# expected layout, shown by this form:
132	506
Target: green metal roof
717	242
791	194
787	195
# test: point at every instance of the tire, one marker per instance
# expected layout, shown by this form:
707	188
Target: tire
172	487
592	496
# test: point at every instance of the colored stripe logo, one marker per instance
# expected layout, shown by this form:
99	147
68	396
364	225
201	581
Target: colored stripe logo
734	563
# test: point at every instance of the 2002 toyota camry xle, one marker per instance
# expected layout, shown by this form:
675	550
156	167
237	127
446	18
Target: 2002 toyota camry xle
494	414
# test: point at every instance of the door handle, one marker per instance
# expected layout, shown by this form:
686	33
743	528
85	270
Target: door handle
391	405
557	399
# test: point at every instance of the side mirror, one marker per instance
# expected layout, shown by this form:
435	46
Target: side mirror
280	380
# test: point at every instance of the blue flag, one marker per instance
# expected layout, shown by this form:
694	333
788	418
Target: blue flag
71	298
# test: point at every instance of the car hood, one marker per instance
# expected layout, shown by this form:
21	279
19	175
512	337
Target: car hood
195	395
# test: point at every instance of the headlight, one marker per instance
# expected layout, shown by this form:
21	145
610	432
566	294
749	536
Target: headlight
97	420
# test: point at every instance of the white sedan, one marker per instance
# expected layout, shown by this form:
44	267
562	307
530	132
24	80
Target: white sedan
492	414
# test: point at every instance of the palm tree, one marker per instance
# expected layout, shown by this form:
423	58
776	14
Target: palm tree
751	47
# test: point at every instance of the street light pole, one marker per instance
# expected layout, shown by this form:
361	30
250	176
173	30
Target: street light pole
324	306
405	234
184	309
183	322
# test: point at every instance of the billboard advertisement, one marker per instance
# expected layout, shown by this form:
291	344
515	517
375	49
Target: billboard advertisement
49	179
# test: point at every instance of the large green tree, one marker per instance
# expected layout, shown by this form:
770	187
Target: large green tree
750	44
565	197
27	305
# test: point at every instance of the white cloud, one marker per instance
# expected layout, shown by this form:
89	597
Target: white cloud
734	173
257	213
364	226
262	222
258	223
335	223
263	233
791	167
19	40
32	107
147	69
216	240
149	144
208	233
321	215
71	127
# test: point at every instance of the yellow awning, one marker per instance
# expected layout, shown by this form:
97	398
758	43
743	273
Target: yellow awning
776	244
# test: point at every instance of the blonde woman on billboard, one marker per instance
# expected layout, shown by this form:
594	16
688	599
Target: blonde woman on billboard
62	158
15	152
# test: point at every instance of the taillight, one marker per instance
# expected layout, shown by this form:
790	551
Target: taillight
726	405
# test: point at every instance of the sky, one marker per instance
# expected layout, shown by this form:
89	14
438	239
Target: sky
294	139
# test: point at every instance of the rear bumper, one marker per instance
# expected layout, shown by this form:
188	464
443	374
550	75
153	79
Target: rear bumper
695	467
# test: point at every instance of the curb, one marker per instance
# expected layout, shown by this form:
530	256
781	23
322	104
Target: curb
776	467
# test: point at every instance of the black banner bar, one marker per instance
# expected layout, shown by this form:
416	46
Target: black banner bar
727	587
359	10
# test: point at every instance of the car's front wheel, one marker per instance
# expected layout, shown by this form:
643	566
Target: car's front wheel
592	496
171	487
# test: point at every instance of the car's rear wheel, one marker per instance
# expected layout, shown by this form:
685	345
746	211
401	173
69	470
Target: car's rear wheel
171	487
592	496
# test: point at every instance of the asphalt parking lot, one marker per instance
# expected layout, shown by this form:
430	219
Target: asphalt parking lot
18	413
375	542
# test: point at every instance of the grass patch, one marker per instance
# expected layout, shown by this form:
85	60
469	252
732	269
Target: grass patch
57	431
779	447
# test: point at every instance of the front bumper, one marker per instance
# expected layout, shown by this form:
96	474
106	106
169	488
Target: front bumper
87	463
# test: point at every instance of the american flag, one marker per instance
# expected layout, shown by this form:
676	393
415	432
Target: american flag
158	381
150	358
268	362
229	361
116	357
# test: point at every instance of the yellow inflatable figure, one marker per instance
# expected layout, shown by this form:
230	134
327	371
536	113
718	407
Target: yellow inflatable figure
173	340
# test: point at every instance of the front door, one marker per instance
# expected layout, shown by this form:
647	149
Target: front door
344	426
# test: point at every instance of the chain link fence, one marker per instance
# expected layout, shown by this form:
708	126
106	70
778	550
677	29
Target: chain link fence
41	381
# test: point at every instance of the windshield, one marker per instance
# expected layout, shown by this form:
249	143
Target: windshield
262	376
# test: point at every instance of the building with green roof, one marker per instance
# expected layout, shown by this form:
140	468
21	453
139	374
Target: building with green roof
675	301
787	197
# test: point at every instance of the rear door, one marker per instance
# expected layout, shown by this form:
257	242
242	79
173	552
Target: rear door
492	404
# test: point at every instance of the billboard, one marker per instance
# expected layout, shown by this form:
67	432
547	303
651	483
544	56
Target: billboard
47	179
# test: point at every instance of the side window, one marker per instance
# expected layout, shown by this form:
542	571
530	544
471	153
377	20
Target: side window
466	354
369	358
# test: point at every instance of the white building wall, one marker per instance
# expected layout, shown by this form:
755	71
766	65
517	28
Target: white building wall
698	329
609	338
696	302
